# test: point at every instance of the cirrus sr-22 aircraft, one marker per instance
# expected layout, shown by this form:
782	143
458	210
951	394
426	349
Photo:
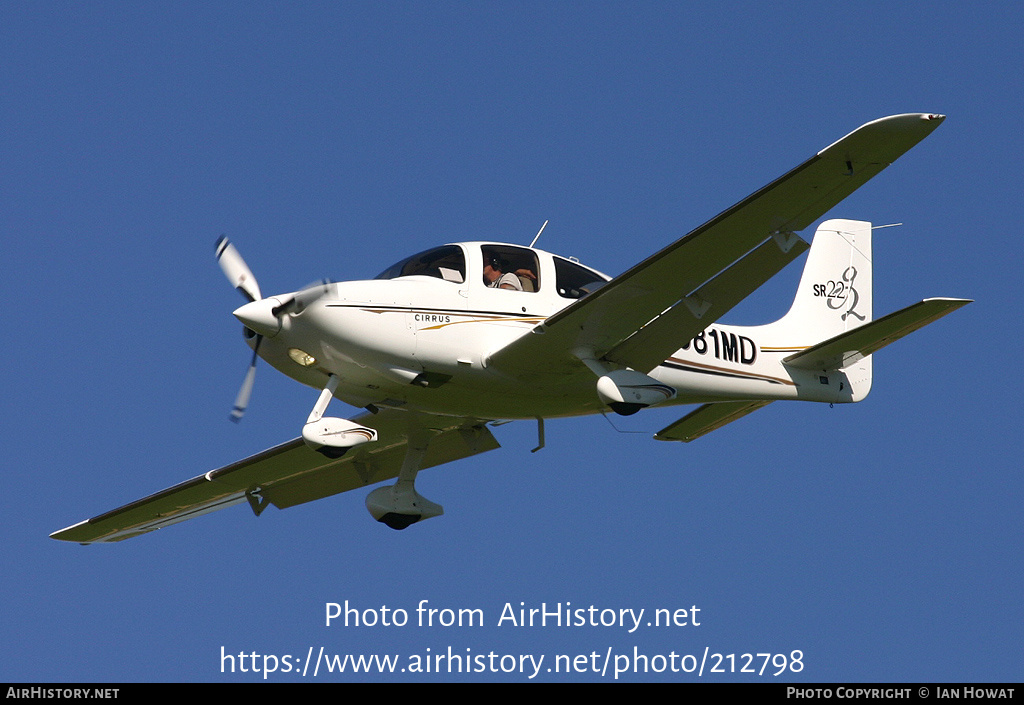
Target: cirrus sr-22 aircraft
451	340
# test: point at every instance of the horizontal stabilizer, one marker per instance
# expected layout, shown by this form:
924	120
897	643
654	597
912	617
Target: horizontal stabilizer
847	348
707	419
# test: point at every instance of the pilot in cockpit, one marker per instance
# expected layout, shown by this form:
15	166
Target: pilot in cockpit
510	268
497	276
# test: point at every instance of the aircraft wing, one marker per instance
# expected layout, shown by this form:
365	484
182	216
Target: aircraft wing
287	475
699	277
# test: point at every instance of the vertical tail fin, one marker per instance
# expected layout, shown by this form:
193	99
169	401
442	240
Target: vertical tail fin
834	294
829	335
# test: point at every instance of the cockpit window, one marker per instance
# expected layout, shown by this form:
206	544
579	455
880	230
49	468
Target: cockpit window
446	263
511	268
574	281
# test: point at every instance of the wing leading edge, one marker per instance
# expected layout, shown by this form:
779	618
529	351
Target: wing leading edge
287	475
618	321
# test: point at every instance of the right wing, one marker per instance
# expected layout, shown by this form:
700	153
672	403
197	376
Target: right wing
289	474
698	278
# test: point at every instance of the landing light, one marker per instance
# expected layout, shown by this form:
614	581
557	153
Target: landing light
301	357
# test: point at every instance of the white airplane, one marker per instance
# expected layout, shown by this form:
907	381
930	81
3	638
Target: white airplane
450	340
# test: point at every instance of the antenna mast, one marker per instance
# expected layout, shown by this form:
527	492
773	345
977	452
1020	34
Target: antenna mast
538	233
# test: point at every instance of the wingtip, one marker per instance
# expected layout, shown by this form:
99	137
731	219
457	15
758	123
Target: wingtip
934	119
907	122
910	117
885	139
62	534
950	301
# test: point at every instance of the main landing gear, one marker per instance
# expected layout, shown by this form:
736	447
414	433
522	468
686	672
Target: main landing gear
400	505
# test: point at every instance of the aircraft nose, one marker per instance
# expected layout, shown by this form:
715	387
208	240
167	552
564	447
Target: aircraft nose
259	316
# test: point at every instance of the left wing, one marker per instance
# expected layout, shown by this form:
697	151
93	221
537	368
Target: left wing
289	474
701	276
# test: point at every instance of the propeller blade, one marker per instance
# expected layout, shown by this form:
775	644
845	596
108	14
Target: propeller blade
302	299
236	270
312	293
242	401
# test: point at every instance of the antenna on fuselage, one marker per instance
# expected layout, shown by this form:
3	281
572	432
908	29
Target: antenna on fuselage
538	233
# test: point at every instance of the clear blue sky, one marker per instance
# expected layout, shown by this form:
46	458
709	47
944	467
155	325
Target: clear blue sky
883	539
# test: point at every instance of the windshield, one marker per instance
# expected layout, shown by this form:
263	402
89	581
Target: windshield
574	281
447	263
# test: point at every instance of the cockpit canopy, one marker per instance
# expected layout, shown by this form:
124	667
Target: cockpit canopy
574	281
446	262
510	262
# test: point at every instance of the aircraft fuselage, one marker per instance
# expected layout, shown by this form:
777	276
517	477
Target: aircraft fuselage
423	342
